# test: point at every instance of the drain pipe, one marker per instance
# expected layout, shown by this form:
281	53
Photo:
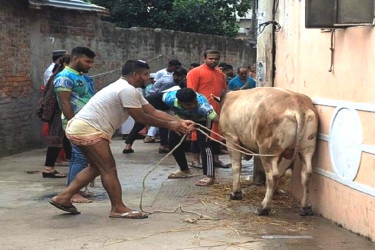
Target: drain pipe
265	66
266	43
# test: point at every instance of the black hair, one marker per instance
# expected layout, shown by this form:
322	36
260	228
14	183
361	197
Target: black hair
222	64
180	71
227	66
131	66
186	95
182	84
77	51
241	67
250	66
59	66
54	58
174	62
210	51
194	65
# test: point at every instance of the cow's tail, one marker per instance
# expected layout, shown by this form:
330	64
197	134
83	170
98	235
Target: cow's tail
301	119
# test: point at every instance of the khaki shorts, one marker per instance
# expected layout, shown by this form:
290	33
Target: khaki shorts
81	133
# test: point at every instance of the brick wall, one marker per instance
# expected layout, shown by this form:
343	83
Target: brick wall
28	37
15	82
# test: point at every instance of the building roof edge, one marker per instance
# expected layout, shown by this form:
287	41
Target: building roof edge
78	5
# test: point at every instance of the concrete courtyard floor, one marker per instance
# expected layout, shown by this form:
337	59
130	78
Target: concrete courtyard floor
189	217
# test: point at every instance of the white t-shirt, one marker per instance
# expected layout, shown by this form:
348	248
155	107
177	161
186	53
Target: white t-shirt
48	73
162	73
106	110
166	79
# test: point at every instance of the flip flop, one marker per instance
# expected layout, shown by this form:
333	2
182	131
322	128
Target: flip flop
195	164
149	141
85	200
221	164
163	151
62	164
54	174
70	209
127	151
205	182
180	174
130	215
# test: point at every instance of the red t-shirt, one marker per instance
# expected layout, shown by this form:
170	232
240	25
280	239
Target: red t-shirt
207	81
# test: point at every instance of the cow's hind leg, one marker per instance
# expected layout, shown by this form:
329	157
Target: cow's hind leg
306	173
272	176
236	171
286	170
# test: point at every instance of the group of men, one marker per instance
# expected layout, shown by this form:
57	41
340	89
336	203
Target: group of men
91	120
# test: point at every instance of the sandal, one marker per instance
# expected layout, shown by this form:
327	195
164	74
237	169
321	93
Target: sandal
62	164
180	174
195	164
67	208
130	215
148	140
220	164
127	151
163	150
207	181
54	174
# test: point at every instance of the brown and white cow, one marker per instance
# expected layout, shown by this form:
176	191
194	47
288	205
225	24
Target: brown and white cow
270	121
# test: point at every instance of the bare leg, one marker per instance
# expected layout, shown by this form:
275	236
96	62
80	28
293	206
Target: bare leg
100	156
101	162
82	179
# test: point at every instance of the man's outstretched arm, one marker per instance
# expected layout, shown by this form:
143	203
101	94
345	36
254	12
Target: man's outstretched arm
177	125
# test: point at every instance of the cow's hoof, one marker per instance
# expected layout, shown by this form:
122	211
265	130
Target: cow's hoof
236	196
263	211
306	211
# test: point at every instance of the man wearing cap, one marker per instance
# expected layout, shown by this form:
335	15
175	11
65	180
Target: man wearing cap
56	54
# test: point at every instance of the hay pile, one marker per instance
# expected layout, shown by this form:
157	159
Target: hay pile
241	215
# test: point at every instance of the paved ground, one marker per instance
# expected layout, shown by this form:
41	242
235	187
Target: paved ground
204	218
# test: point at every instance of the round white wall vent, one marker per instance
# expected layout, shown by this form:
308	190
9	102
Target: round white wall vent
345	142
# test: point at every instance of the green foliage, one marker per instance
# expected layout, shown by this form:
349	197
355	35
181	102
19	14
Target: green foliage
216	17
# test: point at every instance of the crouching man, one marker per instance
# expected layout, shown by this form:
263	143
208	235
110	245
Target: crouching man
188	104
92	129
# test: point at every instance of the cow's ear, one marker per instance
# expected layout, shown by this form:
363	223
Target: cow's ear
216	98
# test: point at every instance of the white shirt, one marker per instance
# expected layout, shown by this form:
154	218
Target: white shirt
107	110
172	89
48	73
161	82
162	73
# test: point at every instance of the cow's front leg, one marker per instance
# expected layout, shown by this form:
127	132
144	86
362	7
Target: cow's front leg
272	176
236	172
306	173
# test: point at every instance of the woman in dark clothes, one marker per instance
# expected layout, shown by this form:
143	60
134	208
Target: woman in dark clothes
56	138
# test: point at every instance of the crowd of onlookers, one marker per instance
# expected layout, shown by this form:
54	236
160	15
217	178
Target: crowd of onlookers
175	75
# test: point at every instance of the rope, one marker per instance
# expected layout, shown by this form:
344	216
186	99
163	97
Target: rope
115	70
241	149
150	171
